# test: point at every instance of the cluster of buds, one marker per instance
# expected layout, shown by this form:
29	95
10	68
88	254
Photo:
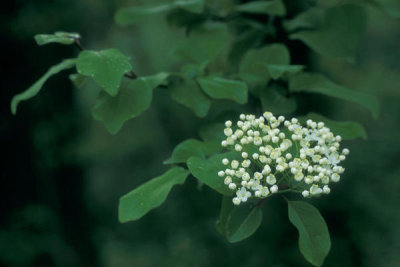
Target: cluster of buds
276	153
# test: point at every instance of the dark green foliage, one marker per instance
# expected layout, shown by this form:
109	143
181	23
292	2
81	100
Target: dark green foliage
224	58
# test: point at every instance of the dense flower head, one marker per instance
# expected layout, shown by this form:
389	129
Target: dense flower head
276	153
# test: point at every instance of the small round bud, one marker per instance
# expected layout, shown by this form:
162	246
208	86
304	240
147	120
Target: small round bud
305	193
232	186
236	201
274	189
225	161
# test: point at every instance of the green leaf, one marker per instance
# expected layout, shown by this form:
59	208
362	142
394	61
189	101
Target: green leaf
317	83
390	7
191	71
314	240
348	130
78	80
192	147
37	86
203	43
277	71
253	67
242	222
312	18
212	132
226	208
194	6
149	195
273	8
133	98
340	33
221	88
206	170
106	67
137	14
188	93
65	38
275	102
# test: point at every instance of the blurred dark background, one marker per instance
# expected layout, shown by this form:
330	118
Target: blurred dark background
62	173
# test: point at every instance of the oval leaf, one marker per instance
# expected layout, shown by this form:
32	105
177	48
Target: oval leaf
135	14
133	98
226	208
276	103
192	147
273	8
221	88
242	222
348	130
317	83
203	43
188	93
206	170
138	14
65	38
212	132
37	86
340	33
149	195
253	67
106	67
314	240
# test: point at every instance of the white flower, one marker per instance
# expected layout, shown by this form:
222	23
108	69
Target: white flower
305	193
271	179
243	194
232	186
282	151
236	200
235	164
274	189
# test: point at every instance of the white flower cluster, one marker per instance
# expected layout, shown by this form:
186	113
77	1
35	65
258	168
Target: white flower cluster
275	151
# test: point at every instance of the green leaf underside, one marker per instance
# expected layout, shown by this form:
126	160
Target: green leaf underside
242	221
149	195
348	130
188	93
37	86
133	98
58	37
273	8
206	170
226	208
275	102
192	147
253	67
106	67
340	33
136	14
203	43
317	83
220	88
314	240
